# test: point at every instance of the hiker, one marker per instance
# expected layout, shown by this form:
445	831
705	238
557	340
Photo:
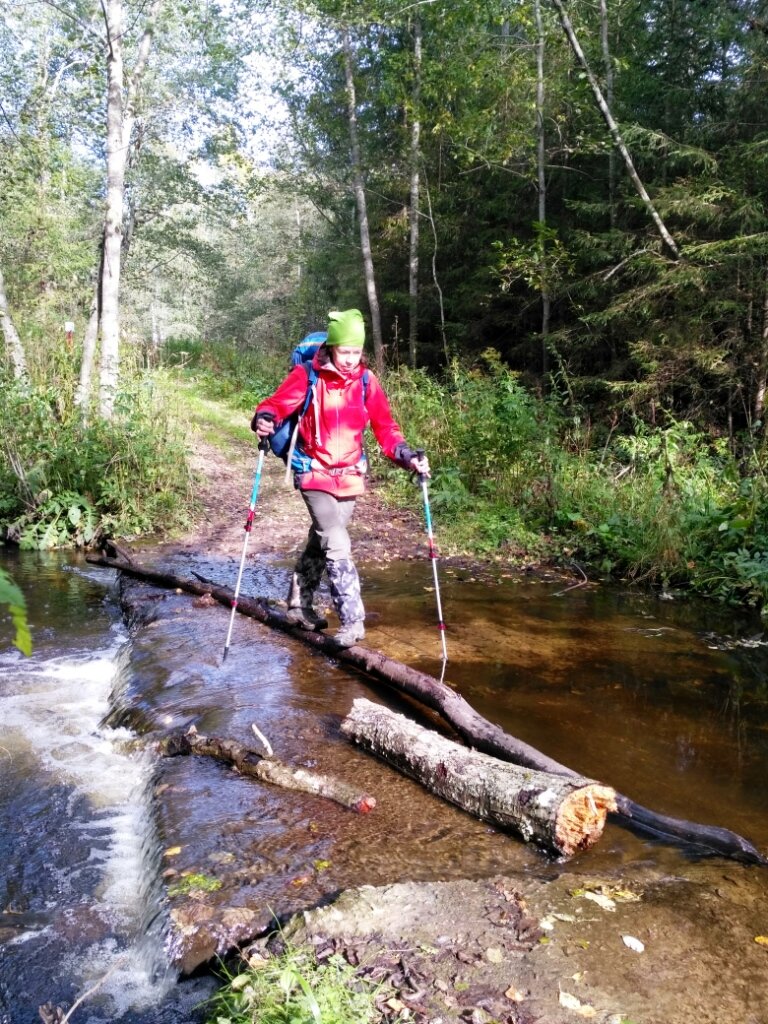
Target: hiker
329	465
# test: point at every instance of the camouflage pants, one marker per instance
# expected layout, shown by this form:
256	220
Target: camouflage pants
329	547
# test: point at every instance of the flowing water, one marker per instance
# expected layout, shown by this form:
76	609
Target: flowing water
666	701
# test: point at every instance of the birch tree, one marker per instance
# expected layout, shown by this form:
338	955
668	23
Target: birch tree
13	344
122	98
541	178
613	128
358	179
414	206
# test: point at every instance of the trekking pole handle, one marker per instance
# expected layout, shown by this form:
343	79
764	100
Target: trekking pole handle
263	444
420	453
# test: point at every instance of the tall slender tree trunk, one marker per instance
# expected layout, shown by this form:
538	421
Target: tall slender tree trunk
82	394
12	340
362	206
414	210
113	221
762	366
121	117
541	165
608	71
613	128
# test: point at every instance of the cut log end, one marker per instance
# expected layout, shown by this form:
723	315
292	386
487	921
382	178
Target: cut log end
365	805
581	818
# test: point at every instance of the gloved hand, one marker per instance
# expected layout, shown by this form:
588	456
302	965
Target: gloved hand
263	424
420	464
415	461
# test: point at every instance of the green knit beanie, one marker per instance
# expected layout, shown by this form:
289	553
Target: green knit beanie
347	328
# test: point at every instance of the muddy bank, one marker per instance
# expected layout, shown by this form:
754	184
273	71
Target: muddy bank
641	946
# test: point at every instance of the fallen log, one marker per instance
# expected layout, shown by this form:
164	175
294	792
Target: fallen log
266	769
457	712
561	814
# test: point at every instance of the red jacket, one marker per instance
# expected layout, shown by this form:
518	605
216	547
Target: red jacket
331	432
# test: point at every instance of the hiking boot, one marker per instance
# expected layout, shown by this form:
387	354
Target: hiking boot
306	618
350	634
300	611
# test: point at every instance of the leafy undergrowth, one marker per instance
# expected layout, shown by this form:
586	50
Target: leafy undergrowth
295	988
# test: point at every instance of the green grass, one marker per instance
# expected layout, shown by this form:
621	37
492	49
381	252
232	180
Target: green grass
294	988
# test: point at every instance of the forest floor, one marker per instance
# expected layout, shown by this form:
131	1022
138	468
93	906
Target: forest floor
517	950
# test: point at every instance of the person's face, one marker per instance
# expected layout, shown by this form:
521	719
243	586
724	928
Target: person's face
346	358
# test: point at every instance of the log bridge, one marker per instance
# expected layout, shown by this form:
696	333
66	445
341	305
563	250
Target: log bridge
475	730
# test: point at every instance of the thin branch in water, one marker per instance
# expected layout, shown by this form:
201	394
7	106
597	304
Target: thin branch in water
574	586
53	1013
262	739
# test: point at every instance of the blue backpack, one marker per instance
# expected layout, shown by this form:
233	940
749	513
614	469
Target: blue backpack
282	442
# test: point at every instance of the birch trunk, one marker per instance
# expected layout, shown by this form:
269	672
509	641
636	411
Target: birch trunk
267	768
613	128
762	365
121	117
414	211
113	220
541	164
560	814
608	70
12	340
362	205
83	392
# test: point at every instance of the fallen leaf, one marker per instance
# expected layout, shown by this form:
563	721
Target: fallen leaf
572	1003
632	943
761	940
396	1005
602	901
301	880
494	955
172	851
514	994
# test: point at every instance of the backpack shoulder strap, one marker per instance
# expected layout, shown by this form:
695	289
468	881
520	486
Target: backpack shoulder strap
311	382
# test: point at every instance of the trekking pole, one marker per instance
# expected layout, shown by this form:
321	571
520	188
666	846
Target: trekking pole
263	446
432	556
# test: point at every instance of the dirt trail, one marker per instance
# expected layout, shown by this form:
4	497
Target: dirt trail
223	486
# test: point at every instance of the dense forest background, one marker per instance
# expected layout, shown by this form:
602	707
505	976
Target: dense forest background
553	214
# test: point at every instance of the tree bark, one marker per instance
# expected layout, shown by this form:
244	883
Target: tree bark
561	814
453	709
762	360
608	70
83	392
541	165
267	769
613	128
121	116
113	219
414	211
12	340
362	205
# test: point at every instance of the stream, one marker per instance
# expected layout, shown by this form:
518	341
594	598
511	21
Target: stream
665	700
